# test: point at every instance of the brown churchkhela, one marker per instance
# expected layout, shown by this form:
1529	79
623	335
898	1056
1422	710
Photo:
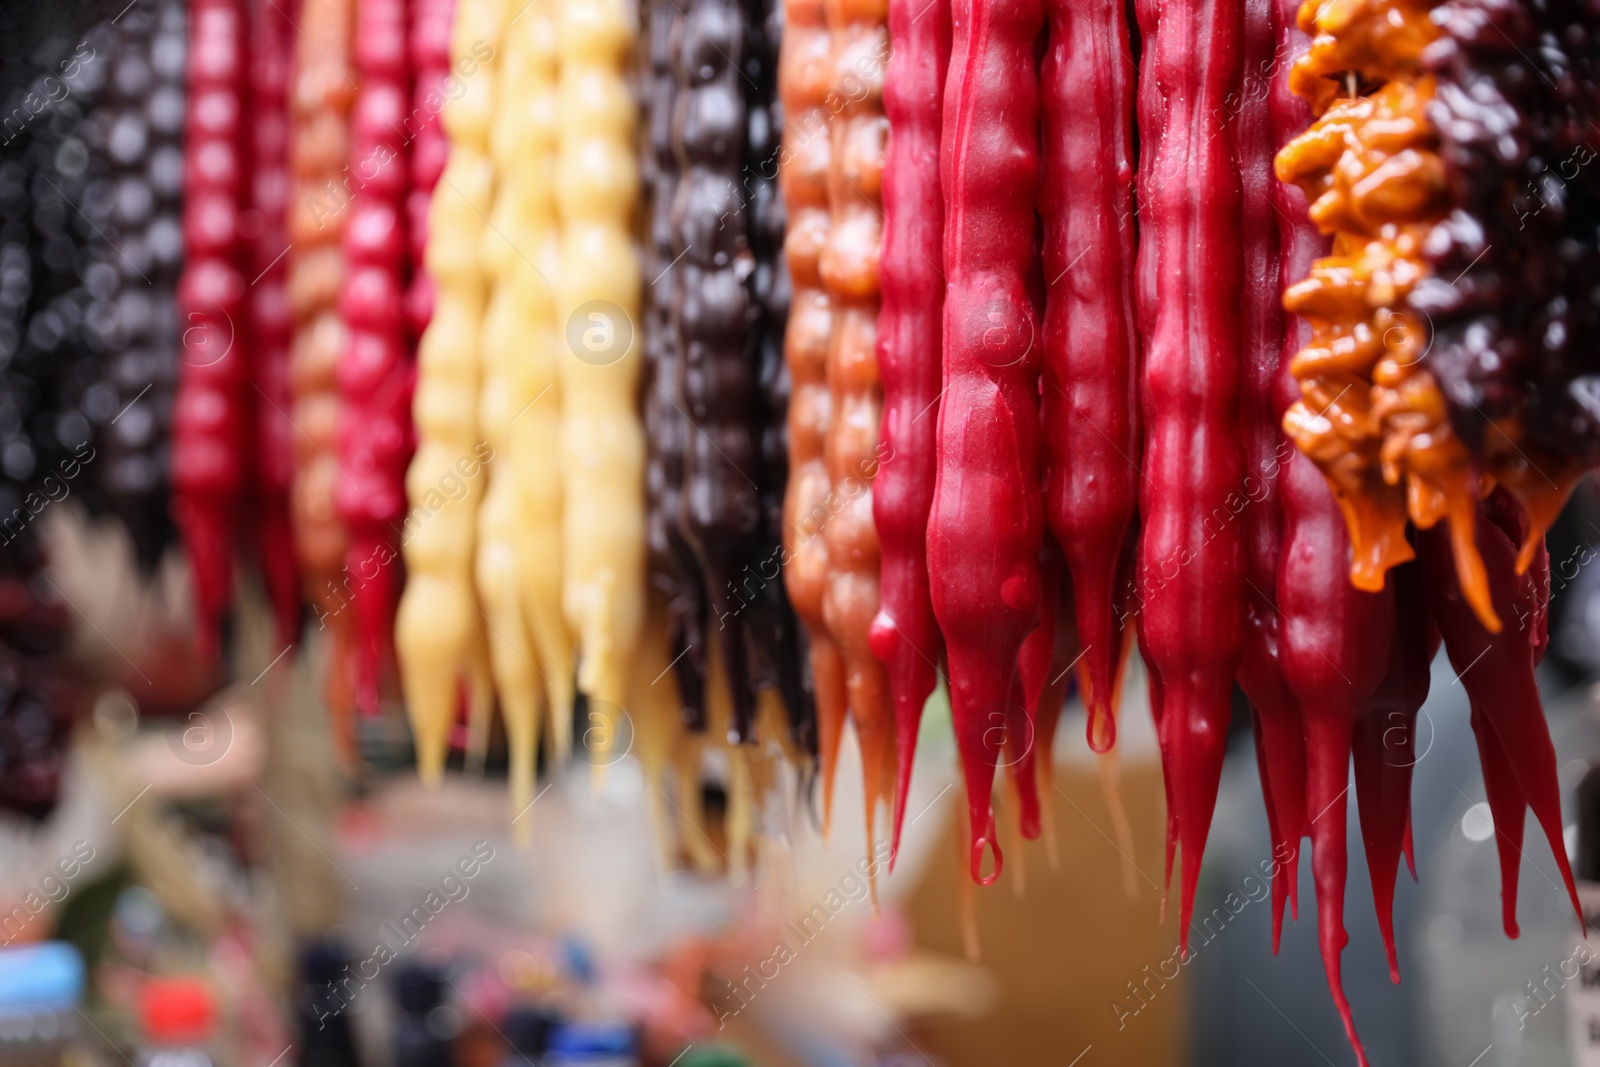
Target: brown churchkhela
776	644
674	571
714	325
709	319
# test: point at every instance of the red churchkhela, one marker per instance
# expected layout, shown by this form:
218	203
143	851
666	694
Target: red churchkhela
1385	747
1191	567
986	524
376	374
271	323
1089	357
208	419
1519	761
1335	644
905	633
430	64
1270	240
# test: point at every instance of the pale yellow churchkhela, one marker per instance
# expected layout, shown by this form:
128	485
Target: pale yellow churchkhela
535	431
519	520
439	632
597	305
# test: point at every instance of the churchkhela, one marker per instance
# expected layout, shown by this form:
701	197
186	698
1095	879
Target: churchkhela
439	631
208	420
375	369
985	528
142	253
804	83
905	634
51	276
271	456
597	294
322	92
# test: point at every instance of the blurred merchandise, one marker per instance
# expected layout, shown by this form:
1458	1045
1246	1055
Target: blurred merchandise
178	1018
324	1032
426	1026
592	1045
40	988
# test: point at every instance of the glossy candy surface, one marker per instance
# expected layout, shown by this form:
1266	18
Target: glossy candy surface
986	524
905	633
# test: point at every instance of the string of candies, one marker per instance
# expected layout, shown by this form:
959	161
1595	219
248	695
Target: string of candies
375	370
208	477
597	303
438	631
321	95
142	254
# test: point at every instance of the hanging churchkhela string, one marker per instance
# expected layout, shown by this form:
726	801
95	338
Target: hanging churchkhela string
375	370
322	92
208	477
270	396
905	634
142	253
439	632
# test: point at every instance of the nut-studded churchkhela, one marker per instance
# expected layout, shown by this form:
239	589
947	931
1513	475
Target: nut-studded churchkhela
375	372
859	34
144	155
1419	391
710	318
208	477
1512	349
271	454
1516	323
438	632
804	70
597	303
674	570
777	644
905	635
321	94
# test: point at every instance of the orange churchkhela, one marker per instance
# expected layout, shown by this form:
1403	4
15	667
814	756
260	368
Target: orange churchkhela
849	272
803	86
322	92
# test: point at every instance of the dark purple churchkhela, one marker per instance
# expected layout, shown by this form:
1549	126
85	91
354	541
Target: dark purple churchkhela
50	292
712	312
1514	334
674	570
139	258
776	639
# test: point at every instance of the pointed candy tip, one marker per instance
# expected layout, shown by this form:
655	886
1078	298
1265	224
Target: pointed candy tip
989	839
